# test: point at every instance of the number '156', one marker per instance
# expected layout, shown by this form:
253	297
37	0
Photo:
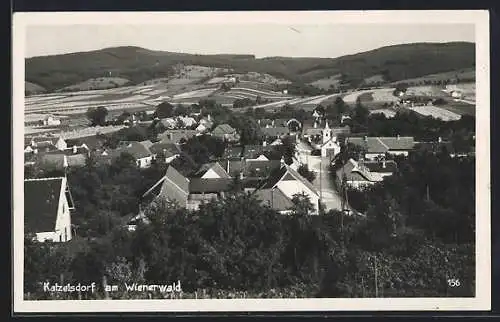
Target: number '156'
453	282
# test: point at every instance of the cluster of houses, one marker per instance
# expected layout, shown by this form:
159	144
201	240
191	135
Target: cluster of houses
257	169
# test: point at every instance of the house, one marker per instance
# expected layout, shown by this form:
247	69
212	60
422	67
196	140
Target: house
47	209
41	143
189	193
278	141
356	175
169	123
147	143
291	183
188	121
275	199
51	120
233	153
76	156
383	168
202	128
165	152
330	148
226	132
211	171
379	146
141	154
273	133
257	152
176	136
256	169
93	142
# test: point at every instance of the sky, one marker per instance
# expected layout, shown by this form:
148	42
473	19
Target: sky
261	40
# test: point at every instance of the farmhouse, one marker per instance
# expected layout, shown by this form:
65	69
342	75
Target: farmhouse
275	199
165	152
273	133
189	193
226	132
75	156
40	143
175	136
356	175
141	154
291	183
379	146
47	209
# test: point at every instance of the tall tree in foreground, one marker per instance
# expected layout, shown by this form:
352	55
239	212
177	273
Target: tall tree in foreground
97	116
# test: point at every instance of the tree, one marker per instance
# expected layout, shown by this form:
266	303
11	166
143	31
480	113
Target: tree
97	116
181	110
304	171
164	110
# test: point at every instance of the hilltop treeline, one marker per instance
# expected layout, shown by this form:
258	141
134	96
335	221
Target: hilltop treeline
136	64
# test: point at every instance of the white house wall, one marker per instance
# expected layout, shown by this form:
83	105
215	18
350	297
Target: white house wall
290	188
210	174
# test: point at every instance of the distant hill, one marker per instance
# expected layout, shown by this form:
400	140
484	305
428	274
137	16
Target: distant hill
391	64
31	88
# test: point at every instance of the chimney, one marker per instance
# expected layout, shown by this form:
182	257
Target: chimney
75	149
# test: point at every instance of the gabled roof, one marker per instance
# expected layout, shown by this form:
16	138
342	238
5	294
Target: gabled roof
275	131
253	151
383	144
147	143
199	185
222	129
70	151
274	198
92	142
167	149
259	168
174	136
234	152
173	186
40	139
286	173
382	166
55	160
214	166
357	172
41	202
136	149
313	131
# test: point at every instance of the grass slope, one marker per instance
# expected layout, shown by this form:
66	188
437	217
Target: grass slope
396	63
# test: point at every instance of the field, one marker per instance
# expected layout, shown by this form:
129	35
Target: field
96	83
436	112
31	88
466	74
387	112
379	95
327	82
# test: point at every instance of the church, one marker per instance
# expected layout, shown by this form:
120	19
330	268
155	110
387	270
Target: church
325	139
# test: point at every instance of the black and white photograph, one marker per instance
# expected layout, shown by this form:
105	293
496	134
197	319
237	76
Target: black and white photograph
248	161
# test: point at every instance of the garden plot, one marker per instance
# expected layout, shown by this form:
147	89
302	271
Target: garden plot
377	95
388	113
195	94
436	112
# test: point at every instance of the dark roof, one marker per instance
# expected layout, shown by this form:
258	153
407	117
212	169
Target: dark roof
174	186
234	152
76	160
383	166
92	142
222	129
383	144
253	151
289	173
70	151
198	185
260	168
136	149
174	136
355	171
275	131
435	146
274	198
55	160
215	166
146	143
41	201
168	149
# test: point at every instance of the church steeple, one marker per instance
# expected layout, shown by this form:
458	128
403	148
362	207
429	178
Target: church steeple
327	133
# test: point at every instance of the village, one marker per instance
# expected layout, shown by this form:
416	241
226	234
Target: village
311	169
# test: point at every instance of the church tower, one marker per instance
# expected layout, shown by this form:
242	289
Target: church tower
327	133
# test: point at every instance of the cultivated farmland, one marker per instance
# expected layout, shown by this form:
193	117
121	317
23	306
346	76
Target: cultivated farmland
436	112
